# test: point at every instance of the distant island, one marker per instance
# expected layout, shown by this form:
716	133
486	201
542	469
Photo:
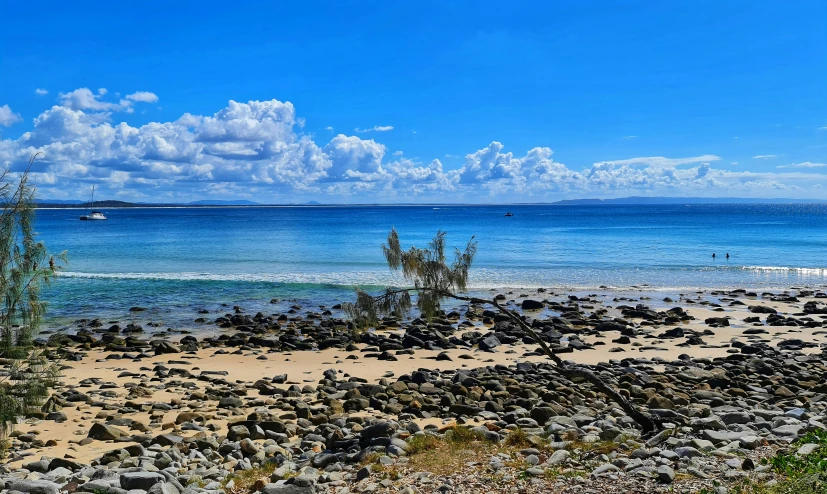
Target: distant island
682	200
634	200
57	203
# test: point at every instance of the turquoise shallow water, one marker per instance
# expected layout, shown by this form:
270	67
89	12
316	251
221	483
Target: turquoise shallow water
180	259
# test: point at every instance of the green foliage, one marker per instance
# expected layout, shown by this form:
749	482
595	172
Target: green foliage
25	266
794	466
808	484
428	270
797	474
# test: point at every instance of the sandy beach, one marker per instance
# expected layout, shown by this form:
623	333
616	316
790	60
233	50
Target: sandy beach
107	378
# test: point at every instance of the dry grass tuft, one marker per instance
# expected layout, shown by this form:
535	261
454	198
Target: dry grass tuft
450	453
247	481
420	443
518	439
593	449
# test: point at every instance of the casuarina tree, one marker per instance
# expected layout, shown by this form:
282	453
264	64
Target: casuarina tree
435	279
25	267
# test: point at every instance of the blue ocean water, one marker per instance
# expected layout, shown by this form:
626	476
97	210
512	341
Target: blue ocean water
177	260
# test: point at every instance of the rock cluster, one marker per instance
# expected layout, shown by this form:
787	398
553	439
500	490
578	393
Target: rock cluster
721	414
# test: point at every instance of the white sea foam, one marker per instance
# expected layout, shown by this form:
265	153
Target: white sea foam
657	280
818	272
343	278
484	279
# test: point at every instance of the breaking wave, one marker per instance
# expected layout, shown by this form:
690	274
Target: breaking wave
815	272
665	278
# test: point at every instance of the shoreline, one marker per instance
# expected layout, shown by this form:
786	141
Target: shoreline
182	316
142	381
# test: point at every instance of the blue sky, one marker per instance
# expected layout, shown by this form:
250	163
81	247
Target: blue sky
408	102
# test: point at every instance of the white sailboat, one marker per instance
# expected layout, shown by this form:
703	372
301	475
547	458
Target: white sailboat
94	215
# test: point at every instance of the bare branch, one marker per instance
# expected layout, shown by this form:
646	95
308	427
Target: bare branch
433	280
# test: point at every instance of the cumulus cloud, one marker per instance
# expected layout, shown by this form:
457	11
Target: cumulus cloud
355	158
41	92
85	100
257	150
702	171
143	96
412	179
661	162
8	117
375	128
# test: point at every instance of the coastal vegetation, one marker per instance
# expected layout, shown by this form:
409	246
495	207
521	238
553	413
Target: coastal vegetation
434	279
25	266
804	467
801	469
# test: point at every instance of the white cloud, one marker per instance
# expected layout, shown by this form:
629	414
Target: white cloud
355	158
701	171
410	179
41	92
629	137
765	156
499	172
257	150
85	100
375	128
806	164
8	117
143	96
660	161
329	128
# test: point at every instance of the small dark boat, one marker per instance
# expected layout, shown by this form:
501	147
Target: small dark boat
509	213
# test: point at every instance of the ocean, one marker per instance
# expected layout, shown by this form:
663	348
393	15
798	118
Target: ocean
176	261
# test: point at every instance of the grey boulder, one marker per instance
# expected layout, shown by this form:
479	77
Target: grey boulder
140	480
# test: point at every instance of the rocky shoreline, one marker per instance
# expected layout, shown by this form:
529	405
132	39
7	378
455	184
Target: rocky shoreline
299	402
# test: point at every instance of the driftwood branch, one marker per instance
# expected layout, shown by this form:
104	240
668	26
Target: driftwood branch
433	279
649	423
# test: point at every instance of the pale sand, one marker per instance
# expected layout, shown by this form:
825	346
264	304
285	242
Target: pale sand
307	368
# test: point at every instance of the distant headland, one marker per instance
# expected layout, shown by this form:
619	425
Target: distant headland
633	200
